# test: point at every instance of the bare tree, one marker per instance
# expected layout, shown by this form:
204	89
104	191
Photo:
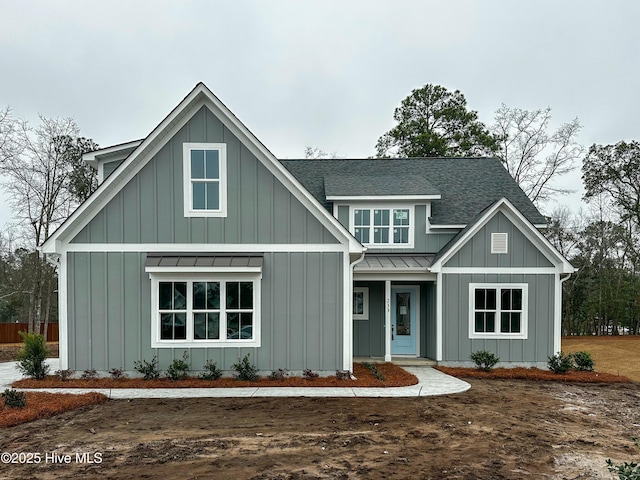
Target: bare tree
532	154
36	173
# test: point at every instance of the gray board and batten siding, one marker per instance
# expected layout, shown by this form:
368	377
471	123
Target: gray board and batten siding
109	311
457	346
150	208
476	253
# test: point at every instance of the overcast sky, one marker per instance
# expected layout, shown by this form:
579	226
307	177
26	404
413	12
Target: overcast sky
323	73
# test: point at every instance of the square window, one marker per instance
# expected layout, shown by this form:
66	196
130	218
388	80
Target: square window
382	226
506	318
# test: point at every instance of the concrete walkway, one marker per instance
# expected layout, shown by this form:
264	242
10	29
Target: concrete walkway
431	382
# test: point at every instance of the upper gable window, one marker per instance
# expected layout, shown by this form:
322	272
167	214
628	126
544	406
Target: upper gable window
383	226
205	179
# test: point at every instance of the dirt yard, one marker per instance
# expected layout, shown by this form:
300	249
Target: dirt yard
619	355
499	429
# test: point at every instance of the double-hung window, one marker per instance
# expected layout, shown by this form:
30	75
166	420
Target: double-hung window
498	310
205	179
383	226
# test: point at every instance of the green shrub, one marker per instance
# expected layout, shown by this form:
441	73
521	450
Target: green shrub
374	370
626	471
484	360
149	370
583	361
278	374
179	368
211	371
245	370
309	374
14	398
32	356
89	374
64	374
560	363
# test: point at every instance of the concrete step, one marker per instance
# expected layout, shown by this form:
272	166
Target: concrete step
400	361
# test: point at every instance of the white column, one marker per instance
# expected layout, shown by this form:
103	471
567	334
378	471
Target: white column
387	321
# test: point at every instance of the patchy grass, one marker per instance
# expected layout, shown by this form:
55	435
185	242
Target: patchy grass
618	355
394	376
9	351
535	374
43	405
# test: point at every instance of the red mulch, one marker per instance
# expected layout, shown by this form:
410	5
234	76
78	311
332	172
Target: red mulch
394	377
521	373
42	405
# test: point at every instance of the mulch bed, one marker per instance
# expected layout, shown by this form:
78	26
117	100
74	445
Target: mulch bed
394	377
535	374
43	405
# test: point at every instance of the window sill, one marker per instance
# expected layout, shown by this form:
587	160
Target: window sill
204	343
498	336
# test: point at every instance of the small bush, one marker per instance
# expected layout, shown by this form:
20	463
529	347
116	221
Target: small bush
626	471
309	374
14	398
64	374
179	368
279	374
245	370
484	360
117	373
89	374
374	370
343	374
149	370
560	363
583	361
211	371
32	356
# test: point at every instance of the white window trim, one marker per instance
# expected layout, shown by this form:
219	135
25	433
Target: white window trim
524	324
157	342
386	206
187	183
365	303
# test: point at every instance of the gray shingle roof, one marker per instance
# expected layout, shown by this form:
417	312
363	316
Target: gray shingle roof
359	185
467	185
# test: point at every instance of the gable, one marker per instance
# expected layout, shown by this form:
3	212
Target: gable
521	252
150	207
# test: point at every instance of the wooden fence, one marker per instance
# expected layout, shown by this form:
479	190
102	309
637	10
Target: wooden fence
9	332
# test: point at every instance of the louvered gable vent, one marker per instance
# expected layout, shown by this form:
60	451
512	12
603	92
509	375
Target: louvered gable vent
499	242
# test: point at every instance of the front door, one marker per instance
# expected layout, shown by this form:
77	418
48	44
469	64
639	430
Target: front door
404	301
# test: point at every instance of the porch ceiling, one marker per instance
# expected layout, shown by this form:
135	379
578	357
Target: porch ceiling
388	263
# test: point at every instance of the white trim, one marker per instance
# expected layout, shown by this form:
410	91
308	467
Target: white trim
365	303
156	342
439	317
187	181
519	221
347	303
93	157
417	319
557	313
63	309
428	217
381	198
204	247
177	118
497	335
391	208
387	321
502	270
395	276
453	226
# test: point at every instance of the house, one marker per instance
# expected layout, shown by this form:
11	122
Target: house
199	239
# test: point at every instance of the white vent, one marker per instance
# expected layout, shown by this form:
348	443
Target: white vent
499	242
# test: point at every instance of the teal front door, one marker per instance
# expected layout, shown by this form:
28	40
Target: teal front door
404	311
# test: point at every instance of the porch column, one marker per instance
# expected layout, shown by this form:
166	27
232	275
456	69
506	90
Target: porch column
387	321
